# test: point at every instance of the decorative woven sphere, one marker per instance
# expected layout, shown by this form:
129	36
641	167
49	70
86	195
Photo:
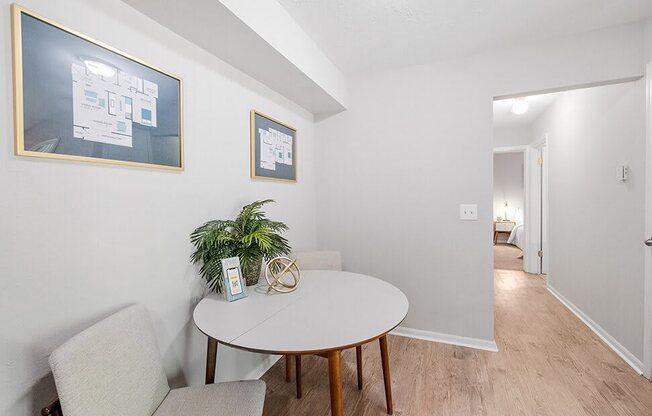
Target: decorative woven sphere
282	274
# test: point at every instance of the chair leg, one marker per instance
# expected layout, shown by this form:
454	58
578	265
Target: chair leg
358	359
297	361
288	368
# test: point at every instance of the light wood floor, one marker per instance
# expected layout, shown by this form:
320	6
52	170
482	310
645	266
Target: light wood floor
549	364
507	257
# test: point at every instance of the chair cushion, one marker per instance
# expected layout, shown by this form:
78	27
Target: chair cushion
318	260
112	368
239	398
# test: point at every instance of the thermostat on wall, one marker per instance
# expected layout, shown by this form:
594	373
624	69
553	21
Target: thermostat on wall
622	173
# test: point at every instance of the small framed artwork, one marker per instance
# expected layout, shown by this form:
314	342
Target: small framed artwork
234	284
76	98
273	149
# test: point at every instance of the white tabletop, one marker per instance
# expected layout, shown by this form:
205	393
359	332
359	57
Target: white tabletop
329	310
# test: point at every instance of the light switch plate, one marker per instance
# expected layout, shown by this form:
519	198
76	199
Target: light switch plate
469	212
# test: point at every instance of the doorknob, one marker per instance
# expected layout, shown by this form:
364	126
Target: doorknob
648	242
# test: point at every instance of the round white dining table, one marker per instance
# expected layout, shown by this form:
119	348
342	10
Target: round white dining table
330	311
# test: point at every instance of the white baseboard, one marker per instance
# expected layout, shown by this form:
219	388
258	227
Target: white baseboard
623	352
480	344
262	368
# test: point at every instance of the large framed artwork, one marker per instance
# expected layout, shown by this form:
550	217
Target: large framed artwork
273	149
76	98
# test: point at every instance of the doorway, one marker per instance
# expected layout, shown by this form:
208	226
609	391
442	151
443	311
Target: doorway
509	208
517	131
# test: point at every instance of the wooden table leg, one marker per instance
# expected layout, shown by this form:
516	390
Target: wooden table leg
358	359
288	368
335	379
211	360
297	362
384	357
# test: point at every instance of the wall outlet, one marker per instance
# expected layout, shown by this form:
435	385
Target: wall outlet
469	212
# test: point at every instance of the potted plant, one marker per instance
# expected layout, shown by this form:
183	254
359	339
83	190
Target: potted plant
251	236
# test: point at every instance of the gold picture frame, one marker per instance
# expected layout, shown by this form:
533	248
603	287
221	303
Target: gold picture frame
286	169
76	145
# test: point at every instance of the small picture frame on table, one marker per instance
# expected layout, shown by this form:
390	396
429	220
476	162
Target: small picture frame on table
234	284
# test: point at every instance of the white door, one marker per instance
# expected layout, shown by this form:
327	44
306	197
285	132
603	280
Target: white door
544	208
531	260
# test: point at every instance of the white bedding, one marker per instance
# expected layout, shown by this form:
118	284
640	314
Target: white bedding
517	235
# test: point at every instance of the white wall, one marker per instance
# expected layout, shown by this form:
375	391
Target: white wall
648	40
517	135
392	171
596	225
79	241
415	143
508	185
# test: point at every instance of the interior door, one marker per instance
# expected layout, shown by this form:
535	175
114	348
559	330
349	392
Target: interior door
531	260
544	208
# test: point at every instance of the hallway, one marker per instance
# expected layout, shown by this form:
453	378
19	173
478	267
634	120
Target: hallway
549	363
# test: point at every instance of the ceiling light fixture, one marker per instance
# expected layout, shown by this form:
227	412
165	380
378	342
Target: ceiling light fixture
99	68
520	106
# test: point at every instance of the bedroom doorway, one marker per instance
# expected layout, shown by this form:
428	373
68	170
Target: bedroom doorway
509	208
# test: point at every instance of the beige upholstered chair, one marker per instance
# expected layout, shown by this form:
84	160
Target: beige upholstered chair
114	368
318	260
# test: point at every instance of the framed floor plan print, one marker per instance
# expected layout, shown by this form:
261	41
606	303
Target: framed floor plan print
273	149
76	98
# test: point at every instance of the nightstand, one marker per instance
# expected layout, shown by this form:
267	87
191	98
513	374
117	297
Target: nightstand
503	227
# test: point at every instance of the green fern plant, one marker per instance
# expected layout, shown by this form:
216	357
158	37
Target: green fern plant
251	236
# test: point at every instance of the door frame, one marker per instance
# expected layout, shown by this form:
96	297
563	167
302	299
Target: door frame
539	197
647	319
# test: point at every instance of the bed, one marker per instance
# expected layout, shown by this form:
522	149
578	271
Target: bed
517	236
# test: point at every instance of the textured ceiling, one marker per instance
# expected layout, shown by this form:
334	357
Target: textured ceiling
369	35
